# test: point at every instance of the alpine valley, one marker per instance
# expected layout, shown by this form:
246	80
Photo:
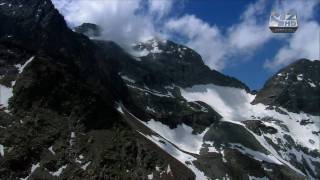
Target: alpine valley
74	106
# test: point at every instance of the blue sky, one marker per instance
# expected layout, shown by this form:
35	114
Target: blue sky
232	36
252	71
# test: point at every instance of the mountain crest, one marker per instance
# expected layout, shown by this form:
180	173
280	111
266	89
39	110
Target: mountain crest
295	87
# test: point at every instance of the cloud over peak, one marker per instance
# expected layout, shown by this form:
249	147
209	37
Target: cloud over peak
130	21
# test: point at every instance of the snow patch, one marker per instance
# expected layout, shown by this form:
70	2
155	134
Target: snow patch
21	67
168	171
59	171
231	103
184	158
5	94
150	176
153	92
1	150
128	79
119	109
312	84
51	150
85	166
181	136
300	77
150	109
72	138
257	178
33	168
256	154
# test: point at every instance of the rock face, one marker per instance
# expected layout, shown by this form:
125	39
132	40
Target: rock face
61	120
163	62
75	108
89	29
296	87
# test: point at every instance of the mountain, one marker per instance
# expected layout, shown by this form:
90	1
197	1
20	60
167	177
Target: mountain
295	88
75	107
89	29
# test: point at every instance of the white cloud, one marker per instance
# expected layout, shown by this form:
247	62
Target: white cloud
129	21
303	44
205	39
122	21
249	34
160	7
217	48
242	39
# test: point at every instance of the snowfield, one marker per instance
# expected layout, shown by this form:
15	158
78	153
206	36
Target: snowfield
235	106
181	136
5	94
184	158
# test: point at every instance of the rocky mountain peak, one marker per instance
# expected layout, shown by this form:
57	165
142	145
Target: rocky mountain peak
74	107
164	62
296	87
160	48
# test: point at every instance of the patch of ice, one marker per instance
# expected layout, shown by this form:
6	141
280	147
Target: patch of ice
59	171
